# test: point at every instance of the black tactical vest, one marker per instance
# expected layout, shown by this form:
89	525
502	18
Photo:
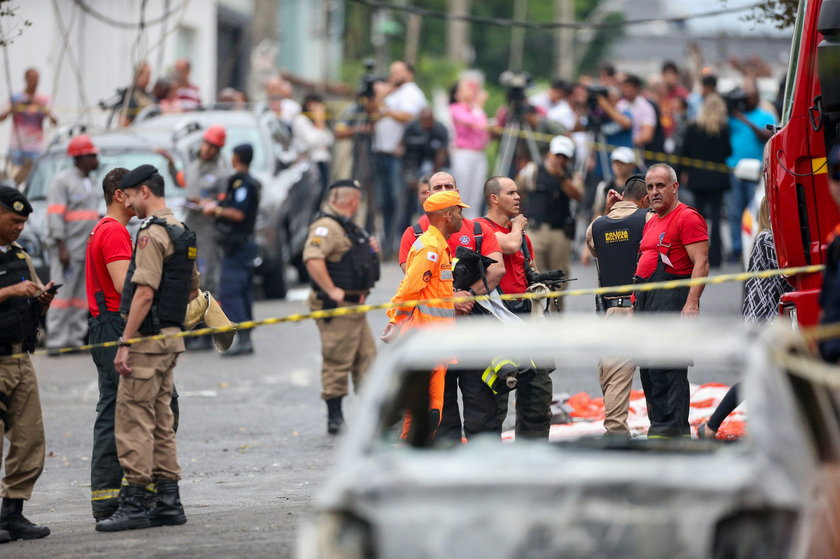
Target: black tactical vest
547	203
617	244
18	315
358	269
172	295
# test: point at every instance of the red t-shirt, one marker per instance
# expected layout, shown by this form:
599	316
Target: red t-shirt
690	228
514	279
108	242
464	237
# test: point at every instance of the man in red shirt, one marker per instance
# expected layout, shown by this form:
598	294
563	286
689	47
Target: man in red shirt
533	400
107	258
479	402
675	245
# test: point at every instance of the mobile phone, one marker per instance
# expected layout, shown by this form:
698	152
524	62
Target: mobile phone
54	288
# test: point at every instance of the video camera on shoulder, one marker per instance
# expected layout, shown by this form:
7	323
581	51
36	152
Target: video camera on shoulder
368	80
736	101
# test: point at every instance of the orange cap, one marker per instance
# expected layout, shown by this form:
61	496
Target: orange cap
443	200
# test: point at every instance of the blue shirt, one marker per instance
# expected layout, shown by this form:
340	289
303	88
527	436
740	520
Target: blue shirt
614	136
745	144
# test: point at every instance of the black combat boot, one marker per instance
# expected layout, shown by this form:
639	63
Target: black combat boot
132	513
167	510
335	419
242	345
5	537
18	527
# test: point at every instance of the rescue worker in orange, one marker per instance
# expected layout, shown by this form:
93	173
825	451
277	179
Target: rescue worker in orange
428	275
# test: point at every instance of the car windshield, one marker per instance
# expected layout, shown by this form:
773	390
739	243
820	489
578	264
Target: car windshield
47	167
246	135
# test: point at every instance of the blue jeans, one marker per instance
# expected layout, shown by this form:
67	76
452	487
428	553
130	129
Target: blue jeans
737	199
235	293
390	194
19	155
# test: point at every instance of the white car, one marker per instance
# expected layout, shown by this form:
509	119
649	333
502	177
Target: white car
594	497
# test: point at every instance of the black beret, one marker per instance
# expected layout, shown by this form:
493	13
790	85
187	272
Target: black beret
245	152
351	183
137	176
13	200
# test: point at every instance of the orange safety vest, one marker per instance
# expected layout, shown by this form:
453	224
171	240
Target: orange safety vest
428	275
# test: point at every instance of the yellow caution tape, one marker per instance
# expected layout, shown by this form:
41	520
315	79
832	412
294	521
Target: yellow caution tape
358	309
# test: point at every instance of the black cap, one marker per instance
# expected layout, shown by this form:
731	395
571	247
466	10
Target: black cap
14	201
245	153
137	176
343	183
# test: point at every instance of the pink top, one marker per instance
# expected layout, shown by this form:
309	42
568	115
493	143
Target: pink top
470	126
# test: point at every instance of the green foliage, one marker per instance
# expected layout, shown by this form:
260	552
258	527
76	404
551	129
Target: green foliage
11	26
781	13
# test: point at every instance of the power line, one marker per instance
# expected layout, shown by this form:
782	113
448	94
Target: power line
125	25
504	22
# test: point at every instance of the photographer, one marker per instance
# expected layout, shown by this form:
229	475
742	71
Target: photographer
548	188
136	97
611	126
747	134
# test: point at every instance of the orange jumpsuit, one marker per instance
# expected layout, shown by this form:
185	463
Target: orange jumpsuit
428	275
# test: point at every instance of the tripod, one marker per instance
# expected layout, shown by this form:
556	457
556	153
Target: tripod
515	126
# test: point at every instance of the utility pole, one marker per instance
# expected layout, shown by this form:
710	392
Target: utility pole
564	38
412	38
264	41
517	35
457	31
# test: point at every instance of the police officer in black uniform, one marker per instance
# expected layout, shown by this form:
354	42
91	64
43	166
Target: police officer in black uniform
236	217
614	240
22	302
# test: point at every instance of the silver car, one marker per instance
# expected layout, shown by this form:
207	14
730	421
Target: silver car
774	494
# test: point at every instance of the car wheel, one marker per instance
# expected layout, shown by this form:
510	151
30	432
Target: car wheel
274	278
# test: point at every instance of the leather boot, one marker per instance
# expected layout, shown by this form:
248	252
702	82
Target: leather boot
242	346
5	537
132	513
335	419
168	510
17	526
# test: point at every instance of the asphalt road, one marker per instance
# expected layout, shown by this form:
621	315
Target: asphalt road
252	441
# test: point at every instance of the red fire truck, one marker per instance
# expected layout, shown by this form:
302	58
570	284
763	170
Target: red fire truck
795	172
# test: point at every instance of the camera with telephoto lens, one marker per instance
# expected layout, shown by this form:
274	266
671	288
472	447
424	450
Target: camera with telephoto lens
736	101
515	84
368	80
595	114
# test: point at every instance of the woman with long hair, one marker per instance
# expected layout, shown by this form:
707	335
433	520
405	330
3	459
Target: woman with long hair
469	162
760	306
707	139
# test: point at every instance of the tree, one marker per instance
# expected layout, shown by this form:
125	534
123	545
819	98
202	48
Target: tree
781	13
11	26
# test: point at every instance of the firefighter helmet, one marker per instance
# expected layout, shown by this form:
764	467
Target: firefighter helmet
215	136
81	145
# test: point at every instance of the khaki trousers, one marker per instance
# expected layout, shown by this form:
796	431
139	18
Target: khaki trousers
20	417
552	251
347	347
144	419
616	376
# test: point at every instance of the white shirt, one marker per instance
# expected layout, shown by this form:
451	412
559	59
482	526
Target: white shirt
562	112
642	111
310	139
388	132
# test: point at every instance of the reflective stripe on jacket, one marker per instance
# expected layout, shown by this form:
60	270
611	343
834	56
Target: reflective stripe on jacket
428	275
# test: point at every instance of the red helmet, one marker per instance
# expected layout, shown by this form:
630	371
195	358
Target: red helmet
215	135
81	145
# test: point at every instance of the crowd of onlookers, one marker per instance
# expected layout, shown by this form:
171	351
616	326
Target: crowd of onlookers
618	123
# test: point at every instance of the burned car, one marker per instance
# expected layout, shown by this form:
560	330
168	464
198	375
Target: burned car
595	496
